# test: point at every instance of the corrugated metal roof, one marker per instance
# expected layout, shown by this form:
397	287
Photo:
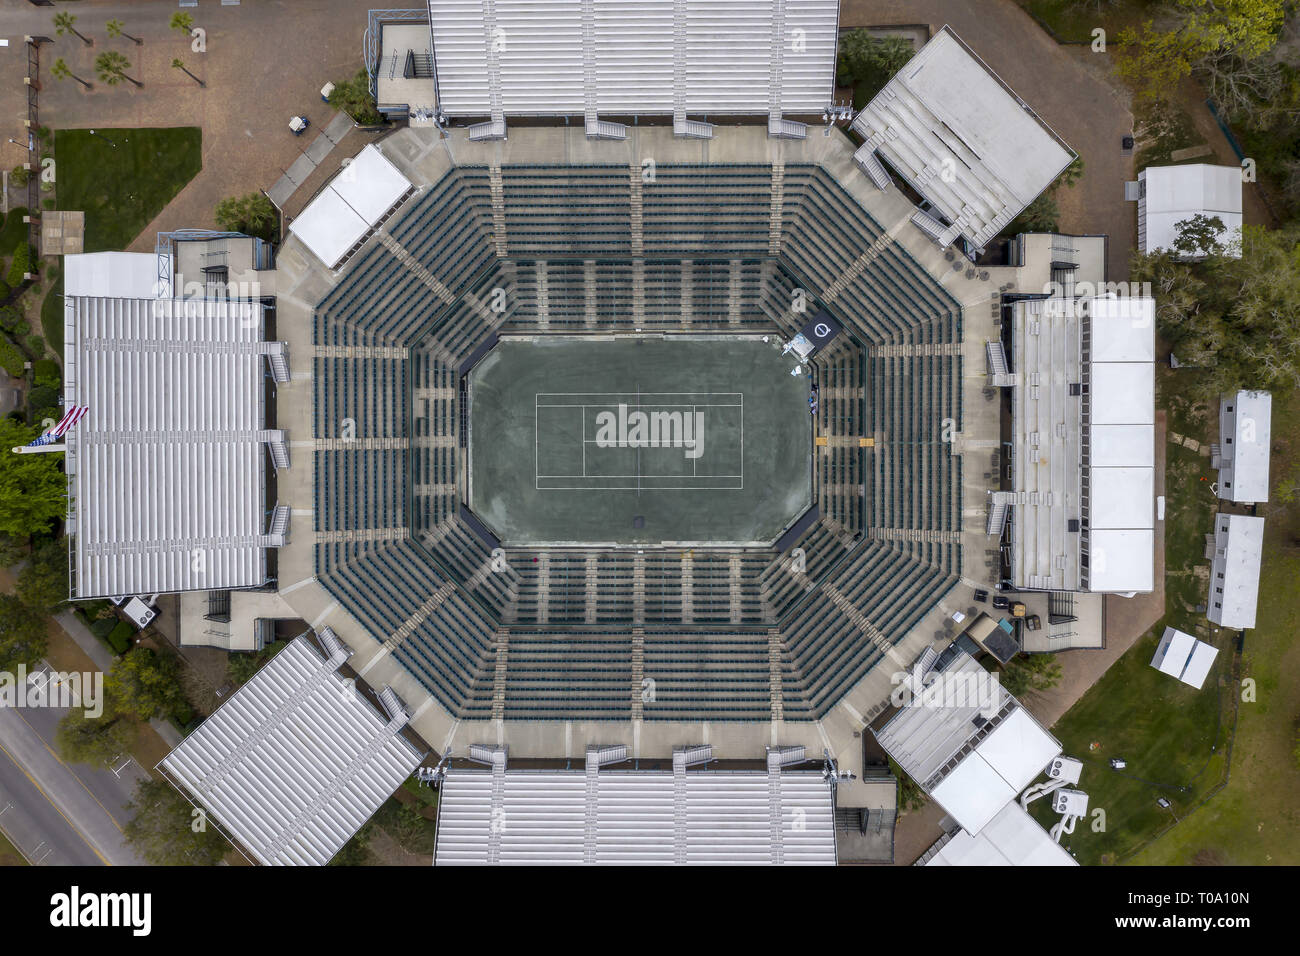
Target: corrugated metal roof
635	817
1234	577
1245	430
550	57
167	466
295	761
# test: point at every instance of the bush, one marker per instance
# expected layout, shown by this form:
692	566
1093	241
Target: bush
353	97
19	176
21	265
9	316
11	360
36	344
119	637
46	372
42	396
253	214
103	626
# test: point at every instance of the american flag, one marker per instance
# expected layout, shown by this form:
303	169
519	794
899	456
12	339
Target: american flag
70	418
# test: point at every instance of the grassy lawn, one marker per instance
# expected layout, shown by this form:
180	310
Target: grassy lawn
1174	738
1254	820
9	855
122	188
1072	21
52	315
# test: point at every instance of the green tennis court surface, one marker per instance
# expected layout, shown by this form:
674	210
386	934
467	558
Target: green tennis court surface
681	440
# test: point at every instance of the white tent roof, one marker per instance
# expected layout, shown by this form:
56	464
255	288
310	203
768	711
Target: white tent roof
114	275
550	817
167	468
963	139
1238	549
1121	560
295	761
350	206
1174	194
992	766
562	57
1012	838
1180	655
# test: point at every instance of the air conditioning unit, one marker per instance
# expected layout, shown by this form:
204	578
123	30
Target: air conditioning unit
1065	769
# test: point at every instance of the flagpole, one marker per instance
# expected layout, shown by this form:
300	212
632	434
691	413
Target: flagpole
39	449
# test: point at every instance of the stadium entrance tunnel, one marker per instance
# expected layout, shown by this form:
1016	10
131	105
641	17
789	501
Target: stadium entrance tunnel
679	440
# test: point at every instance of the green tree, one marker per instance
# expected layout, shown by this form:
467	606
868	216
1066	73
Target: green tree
115	30
94	740
1198	236
182	22
179	64
867	62
253	214
64	24
60	70
1041	215
353	97
43	580
145	684
1237	317
22	633
32	488
165	829
111	67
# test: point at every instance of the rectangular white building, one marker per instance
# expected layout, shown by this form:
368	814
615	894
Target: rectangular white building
1168	195
1234	571
1242	455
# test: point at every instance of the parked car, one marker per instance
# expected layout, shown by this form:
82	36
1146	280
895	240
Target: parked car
1001	603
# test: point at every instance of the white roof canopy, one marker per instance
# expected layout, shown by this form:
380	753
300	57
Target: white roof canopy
998	748
345	211
563	57
125	275
961	138
295	761
1182	656
1012	838
1174	194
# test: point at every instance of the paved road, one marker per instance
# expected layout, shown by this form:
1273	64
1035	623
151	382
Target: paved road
59	813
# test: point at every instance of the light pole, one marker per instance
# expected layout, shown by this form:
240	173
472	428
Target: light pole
28	145
105	138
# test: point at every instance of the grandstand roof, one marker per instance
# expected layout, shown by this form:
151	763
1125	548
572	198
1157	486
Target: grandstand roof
1234	573
644	817
564	58
353	202
1245	427
1172	194
166	469
962	138
1011	838
296	760
1050	338
972	752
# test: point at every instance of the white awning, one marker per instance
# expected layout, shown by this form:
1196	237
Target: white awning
1012	838
347	209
